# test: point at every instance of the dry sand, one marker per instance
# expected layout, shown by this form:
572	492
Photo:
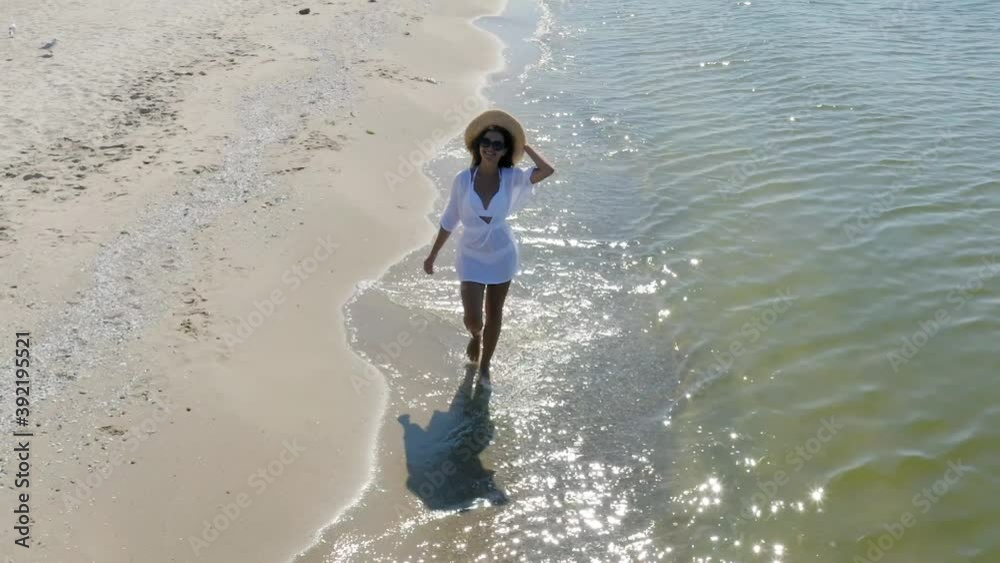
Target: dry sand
189	193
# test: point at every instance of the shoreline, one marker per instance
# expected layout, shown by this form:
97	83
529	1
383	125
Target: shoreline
421	343
458	117
209	409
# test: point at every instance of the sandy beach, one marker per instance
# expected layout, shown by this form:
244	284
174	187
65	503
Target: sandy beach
755	318
189	194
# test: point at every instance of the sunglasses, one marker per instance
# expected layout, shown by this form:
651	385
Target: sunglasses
497	145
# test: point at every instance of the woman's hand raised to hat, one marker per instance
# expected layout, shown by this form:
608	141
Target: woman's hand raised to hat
543	168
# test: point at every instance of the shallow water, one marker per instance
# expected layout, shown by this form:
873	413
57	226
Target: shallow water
758	312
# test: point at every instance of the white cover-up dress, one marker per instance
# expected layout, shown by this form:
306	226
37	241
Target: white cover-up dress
487	252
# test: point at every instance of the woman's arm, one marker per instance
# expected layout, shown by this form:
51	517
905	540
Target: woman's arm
449	222
442	236
543	169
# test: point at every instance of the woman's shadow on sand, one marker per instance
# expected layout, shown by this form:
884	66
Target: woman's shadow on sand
443	459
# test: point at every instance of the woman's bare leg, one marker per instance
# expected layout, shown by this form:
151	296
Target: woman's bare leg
495	297
472	302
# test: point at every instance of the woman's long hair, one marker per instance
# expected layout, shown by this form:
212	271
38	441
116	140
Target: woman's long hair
507	160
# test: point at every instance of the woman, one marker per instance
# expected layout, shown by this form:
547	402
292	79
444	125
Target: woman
482	197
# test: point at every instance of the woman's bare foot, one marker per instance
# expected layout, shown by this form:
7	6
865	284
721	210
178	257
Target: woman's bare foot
472	350
484	378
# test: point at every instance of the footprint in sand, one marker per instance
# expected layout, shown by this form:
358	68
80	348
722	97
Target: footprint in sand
319	141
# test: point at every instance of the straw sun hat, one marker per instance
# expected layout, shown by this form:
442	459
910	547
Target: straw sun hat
500	119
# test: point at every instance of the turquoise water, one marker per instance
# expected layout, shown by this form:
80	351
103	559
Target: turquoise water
759	312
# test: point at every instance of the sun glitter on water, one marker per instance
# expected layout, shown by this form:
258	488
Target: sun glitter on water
817	495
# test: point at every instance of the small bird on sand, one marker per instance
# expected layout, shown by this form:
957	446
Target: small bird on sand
11	30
